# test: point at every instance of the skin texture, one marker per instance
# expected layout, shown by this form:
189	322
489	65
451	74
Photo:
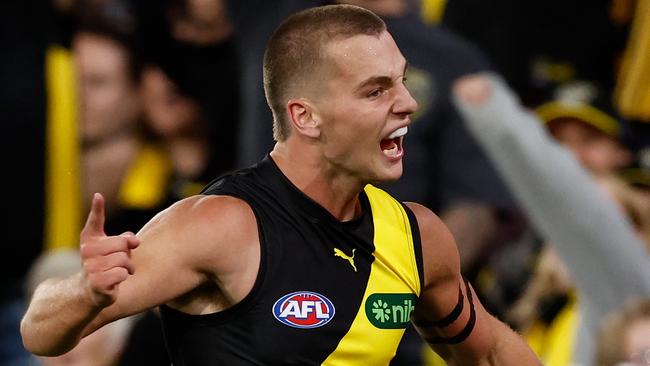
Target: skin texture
334	150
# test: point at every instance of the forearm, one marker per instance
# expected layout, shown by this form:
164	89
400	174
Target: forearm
59	312
506	349
510	349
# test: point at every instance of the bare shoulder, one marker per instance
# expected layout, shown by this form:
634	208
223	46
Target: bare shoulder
206	225
439	251
208	208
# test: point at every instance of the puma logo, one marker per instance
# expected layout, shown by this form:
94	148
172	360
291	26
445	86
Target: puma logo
339	253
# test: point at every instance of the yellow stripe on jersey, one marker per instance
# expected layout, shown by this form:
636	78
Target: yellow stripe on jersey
394	271
62	185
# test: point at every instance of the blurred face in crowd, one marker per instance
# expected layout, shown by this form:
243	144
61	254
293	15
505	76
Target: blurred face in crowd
596	150
167	111
108	98
365	107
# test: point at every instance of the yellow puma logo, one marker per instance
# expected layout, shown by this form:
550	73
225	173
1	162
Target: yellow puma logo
339	253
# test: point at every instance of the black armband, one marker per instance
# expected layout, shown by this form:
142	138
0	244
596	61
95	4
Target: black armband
469	327
453	315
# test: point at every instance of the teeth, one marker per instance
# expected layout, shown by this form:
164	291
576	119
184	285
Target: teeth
399	132
392	151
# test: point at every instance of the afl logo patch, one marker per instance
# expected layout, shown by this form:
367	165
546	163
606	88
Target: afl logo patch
303	309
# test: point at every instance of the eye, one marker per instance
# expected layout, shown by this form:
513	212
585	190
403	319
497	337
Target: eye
375	93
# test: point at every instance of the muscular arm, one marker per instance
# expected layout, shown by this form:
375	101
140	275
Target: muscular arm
180	249
449	316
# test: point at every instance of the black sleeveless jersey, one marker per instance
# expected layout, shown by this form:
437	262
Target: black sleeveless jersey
327	292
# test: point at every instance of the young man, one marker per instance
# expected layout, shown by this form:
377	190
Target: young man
297	260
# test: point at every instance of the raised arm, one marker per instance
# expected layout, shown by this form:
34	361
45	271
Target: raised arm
180	249
606	259
449	316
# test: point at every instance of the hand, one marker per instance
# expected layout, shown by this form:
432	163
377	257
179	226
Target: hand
472	89
106	259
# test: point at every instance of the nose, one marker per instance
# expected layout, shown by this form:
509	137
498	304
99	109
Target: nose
404	104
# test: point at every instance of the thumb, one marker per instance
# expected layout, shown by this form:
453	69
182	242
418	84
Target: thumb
95	222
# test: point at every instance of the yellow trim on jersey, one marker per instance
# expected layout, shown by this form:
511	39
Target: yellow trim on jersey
394	270
62	182
145	184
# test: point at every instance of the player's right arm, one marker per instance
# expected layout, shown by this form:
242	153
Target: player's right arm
192	242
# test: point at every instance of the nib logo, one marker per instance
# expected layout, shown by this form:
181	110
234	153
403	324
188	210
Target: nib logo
390	311
381	311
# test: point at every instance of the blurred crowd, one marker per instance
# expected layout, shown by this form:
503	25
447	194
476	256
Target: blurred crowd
147	101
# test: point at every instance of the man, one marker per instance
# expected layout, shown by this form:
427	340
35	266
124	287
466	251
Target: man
296	260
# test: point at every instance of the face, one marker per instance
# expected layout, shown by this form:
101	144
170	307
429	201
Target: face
365	107
108	96
597	151
168	112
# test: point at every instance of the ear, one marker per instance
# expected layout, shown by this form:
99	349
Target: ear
302	115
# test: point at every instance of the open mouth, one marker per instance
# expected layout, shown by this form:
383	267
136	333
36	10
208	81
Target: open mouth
392	145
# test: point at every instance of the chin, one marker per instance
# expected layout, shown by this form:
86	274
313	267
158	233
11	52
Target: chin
389	175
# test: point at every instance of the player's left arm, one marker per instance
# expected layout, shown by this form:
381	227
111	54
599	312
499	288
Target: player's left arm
449	316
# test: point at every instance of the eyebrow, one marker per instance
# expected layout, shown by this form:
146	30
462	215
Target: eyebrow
381	80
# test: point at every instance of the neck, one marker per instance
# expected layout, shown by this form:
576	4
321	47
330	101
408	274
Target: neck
337	192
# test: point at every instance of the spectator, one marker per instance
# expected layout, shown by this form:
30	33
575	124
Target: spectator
119	159
178	122
582	118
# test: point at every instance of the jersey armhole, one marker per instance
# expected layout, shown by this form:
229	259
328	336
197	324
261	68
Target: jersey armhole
417	244
249	301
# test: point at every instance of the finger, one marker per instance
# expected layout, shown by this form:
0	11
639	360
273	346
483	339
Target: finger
105	263
107	280
132	240
95	222
104	246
